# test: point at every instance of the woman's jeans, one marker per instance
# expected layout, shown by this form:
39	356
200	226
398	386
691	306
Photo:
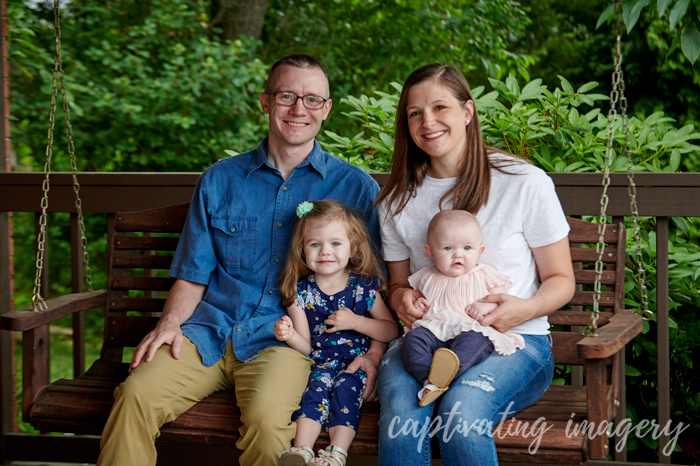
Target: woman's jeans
462	418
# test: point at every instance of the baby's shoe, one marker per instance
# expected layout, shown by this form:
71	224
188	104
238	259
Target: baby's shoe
443	369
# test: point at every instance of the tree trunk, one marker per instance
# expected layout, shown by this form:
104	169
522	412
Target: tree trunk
238	17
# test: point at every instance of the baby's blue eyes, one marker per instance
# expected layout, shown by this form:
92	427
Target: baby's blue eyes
449	248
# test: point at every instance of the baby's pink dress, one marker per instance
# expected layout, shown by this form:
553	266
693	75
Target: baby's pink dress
449	296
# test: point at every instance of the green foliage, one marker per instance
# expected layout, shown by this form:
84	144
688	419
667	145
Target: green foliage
679	15
148	89
368	44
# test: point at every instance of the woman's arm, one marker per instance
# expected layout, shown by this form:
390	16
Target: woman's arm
556	289
402	298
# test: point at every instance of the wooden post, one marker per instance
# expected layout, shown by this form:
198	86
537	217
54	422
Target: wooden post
622	399
7	382
663	352
76	248
36	342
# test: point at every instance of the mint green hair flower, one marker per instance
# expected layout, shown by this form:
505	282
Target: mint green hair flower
304	208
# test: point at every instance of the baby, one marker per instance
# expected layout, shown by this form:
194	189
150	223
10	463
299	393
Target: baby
448	340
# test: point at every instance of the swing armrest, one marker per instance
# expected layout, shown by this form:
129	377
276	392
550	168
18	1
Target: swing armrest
26	319
611	338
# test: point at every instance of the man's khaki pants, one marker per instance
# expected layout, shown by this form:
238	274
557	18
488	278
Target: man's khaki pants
268	390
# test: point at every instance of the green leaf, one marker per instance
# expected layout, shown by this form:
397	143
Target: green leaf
605	15
566	86
634	14
231	152
587	87
690	43
661	6
631	371
677	12
675	161
532	90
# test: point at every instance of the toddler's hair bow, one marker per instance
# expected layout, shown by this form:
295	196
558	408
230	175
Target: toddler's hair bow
304	208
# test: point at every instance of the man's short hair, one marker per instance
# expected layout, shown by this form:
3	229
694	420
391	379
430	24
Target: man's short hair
299	60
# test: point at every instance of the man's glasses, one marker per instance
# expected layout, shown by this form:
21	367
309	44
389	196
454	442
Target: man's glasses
288	99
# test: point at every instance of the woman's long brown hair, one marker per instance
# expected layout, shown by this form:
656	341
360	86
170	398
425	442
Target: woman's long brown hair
410	163
362	261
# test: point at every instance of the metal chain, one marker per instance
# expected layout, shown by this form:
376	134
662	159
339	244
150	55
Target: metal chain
592	328
38	302
632	190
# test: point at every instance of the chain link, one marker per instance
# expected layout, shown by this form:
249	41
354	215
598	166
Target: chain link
38	302
617	80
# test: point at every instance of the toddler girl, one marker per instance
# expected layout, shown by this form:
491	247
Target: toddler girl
329	285
448	339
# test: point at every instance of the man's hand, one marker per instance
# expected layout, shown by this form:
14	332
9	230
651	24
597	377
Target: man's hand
166	332
284	329
370	364
342	319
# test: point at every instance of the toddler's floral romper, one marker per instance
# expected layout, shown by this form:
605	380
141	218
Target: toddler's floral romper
332	396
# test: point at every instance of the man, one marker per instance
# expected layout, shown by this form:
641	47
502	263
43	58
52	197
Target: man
216	330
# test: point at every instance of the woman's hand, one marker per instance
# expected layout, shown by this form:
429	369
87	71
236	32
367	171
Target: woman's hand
402	298
406	305
478	310
556	289
510	311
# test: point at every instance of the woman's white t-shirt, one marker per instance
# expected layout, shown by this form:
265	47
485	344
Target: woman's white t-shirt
522	212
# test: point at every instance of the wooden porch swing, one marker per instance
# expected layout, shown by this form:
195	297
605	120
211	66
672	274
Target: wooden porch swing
145	241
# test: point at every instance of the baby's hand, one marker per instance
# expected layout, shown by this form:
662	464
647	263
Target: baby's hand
422	304
342	319
284	329
478	310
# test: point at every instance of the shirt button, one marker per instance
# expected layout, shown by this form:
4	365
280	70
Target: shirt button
277	260
269	291
239	330
233	230
279	224
284	188
331	298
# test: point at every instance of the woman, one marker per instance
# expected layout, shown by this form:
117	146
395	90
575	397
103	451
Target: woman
440	162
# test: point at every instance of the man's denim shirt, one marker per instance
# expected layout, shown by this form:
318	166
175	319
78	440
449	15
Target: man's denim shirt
235	242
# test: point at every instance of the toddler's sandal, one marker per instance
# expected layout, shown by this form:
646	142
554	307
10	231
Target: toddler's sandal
331	456
296	456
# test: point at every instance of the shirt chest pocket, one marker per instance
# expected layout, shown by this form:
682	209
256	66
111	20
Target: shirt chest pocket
236	240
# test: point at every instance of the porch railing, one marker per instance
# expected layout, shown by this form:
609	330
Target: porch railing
658	195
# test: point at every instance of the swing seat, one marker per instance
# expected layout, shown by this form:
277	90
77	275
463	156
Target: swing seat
146	240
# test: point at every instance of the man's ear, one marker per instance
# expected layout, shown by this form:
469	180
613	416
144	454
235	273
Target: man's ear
428	251
327	109
264	103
